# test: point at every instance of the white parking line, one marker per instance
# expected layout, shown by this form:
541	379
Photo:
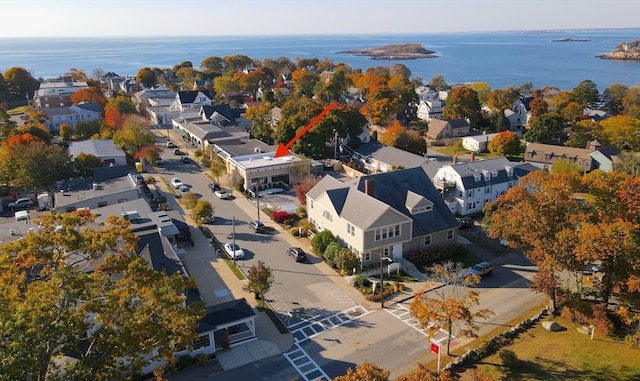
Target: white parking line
402	313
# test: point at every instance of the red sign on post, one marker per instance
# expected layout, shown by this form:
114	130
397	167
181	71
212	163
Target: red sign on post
435	348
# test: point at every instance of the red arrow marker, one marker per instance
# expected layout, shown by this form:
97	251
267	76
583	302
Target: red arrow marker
284	149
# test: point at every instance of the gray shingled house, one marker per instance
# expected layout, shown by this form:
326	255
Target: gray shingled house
387	214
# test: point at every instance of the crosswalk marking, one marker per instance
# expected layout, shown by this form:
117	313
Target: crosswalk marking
305	330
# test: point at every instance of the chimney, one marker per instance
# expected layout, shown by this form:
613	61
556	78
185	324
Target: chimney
455	160
473	155
368	187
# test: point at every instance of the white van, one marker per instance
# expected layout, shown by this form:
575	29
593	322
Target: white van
22	215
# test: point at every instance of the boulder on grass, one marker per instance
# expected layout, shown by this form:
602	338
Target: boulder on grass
552	326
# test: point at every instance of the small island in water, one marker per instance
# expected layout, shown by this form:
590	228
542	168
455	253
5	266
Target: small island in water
569	39
394	52
624	51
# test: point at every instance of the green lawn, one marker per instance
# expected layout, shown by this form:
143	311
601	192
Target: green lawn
566	355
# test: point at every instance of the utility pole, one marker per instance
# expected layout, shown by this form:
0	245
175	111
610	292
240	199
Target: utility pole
233	235
335	144
257	200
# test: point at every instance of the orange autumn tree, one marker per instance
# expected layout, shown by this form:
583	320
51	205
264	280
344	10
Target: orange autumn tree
440	308
90	94
113	118
366	371
391	135
150	152
564	221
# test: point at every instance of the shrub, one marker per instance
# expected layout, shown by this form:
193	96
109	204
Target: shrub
435	253
347	261
362	281
320	241
184	362
201	359
331	250
294	232
279	217
302	212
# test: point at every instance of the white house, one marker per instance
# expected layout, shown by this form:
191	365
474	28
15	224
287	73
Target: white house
478	143
430	109
467	187
82	112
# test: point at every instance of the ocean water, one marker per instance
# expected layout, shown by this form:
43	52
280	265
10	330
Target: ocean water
500	59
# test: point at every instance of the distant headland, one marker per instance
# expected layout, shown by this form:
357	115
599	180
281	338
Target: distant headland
568	39
624	51
394	52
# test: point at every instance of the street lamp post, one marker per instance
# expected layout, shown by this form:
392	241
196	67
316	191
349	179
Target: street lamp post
382	279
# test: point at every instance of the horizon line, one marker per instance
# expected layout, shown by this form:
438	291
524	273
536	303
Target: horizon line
548	30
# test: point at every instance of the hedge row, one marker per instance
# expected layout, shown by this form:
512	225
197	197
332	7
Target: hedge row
435	253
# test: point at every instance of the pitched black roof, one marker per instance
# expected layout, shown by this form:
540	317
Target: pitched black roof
391	188
224	313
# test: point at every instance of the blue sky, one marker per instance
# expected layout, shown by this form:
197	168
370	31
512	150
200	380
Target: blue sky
84	18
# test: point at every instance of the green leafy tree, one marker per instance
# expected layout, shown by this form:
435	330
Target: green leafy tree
505	143
583	132
455	302
463	103
545	128
438	83
586	93
213	66
84	164
146	77
77	286
21	163
260	117
87	129
19	83
134	134
321	240
260	278
612	97
8	127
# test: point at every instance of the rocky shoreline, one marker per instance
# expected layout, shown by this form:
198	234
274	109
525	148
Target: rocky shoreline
629	51
631	56
393	52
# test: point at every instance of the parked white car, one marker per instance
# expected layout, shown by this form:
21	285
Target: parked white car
221	193
176	183
233	251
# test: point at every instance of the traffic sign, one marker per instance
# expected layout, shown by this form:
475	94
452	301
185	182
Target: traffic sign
435	348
